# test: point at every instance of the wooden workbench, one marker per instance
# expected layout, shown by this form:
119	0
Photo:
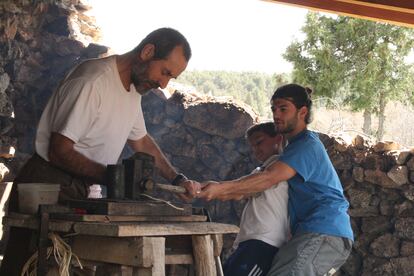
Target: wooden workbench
140	248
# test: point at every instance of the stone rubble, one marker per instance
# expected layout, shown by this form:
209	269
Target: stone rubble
381	205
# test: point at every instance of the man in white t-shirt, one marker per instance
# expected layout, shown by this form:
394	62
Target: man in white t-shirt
264	225
93	113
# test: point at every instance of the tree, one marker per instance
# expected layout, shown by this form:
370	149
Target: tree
252	88
355	61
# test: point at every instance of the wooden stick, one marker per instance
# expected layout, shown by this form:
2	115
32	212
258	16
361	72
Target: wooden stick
171	188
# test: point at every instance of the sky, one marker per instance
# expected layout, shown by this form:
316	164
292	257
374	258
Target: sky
231	35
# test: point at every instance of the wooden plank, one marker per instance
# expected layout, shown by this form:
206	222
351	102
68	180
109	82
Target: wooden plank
106	269
172	259
124	229
32	222
109	218
400	5
124	251
127	229
377	13
203	255
107	249
136	256
130	207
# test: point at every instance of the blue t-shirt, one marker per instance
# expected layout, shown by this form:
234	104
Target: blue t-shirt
316	200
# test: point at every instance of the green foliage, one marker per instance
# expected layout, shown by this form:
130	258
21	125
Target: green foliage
357	62
253	88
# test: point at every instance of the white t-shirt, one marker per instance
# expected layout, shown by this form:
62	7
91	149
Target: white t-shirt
265	216
92	108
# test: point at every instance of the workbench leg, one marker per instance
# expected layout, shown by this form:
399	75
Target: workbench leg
157	257
204	255
43	244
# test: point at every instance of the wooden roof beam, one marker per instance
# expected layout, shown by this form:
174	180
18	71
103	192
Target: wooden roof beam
399	12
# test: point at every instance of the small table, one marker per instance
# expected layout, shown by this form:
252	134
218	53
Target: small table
140	248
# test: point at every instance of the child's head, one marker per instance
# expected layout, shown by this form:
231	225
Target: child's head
264	141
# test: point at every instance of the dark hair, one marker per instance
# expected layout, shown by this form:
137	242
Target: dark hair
268	128
298	95
165	40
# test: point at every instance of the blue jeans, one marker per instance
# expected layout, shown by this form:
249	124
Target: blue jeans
311	254
252	257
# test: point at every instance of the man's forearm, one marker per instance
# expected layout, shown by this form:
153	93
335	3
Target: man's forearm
247	185
63	155
253	183
166	169
76	163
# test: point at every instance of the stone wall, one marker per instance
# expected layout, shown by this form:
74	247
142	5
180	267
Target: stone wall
204	138
39	42
378	180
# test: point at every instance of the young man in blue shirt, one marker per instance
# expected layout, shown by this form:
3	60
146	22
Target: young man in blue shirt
321	231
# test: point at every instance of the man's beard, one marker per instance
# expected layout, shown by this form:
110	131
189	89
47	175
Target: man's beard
140	79
290	126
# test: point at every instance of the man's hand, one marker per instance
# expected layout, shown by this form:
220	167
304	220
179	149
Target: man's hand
193	189
210	190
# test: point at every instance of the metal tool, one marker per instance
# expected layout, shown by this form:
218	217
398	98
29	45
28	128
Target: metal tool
134	177
115	177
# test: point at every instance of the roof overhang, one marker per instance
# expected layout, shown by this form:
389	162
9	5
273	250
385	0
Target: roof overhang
400	12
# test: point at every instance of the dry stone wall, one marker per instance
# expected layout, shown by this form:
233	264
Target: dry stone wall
204	138
378	180
39	42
